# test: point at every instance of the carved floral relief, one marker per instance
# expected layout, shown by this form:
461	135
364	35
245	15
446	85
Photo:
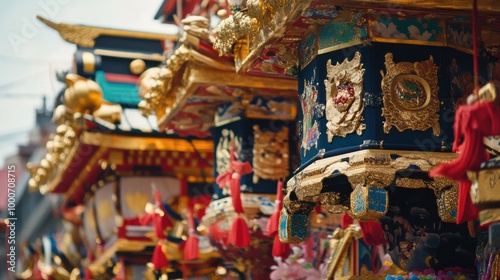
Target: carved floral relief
344	99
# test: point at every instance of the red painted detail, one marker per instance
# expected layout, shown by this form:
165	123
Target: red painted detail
121	78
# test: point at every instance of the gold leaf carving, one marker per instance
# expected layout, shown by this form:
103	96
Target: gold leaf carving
137	202
344	101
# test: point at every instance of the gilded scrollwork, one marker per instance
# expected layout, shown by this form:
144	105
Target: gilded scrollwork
370	172
270	154
157	85
344	99
410	94
82	97
310	127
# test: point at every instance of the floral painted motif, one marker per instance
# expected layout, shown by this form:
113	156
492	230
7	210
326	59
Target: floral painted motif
300	266
270	154
310	128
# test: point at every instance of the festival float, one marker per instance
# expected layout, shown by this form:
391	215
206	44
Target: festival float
134	195
379	84
252	121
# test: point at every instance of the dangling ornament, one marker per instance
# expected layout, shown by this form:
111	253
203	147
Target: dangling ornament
239	235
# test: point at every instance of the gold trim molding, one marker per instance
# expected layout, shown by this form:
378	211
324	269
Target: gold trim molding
410	93
365	167
123	142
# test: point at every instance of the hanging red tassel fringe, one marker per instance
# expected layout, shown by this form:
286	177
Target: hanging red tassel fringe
466	210
239	234
472	123
161	221
191	251
159	259
346	220
280	249
273	223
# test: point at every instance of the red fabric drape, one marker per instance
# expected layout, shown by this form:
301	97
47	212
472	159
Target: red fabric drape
372	230
472	123
159	259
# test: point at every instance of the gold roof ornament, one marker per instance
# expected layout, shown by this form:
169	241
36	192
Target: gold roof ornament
195	72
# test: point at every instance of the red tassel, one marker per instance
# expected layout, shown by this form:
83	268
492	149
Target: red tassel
159	259
372	233
309	249
239	235
280	249
473	123
191	251
273	223
317	209
235	190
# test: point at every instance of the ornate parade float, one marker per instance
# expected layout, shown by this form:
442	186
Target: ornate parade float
252	122
134	195
234	154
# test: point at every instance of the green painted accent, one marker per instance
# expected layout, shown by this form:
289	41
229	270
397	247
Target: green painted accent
342	32
409	29
120	93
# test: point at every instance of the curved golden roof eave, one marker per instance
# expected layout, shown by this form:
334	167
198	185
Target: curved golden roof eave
84	36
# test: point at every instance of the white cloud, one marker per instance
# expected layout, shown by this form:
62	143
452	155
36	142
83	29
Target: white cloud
389	31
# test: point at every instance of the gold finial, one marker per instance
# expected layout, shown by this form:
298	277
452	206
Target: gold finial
82	95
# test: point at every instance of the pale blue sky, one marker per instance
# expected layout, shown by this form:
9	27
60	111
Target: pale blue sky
30	52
